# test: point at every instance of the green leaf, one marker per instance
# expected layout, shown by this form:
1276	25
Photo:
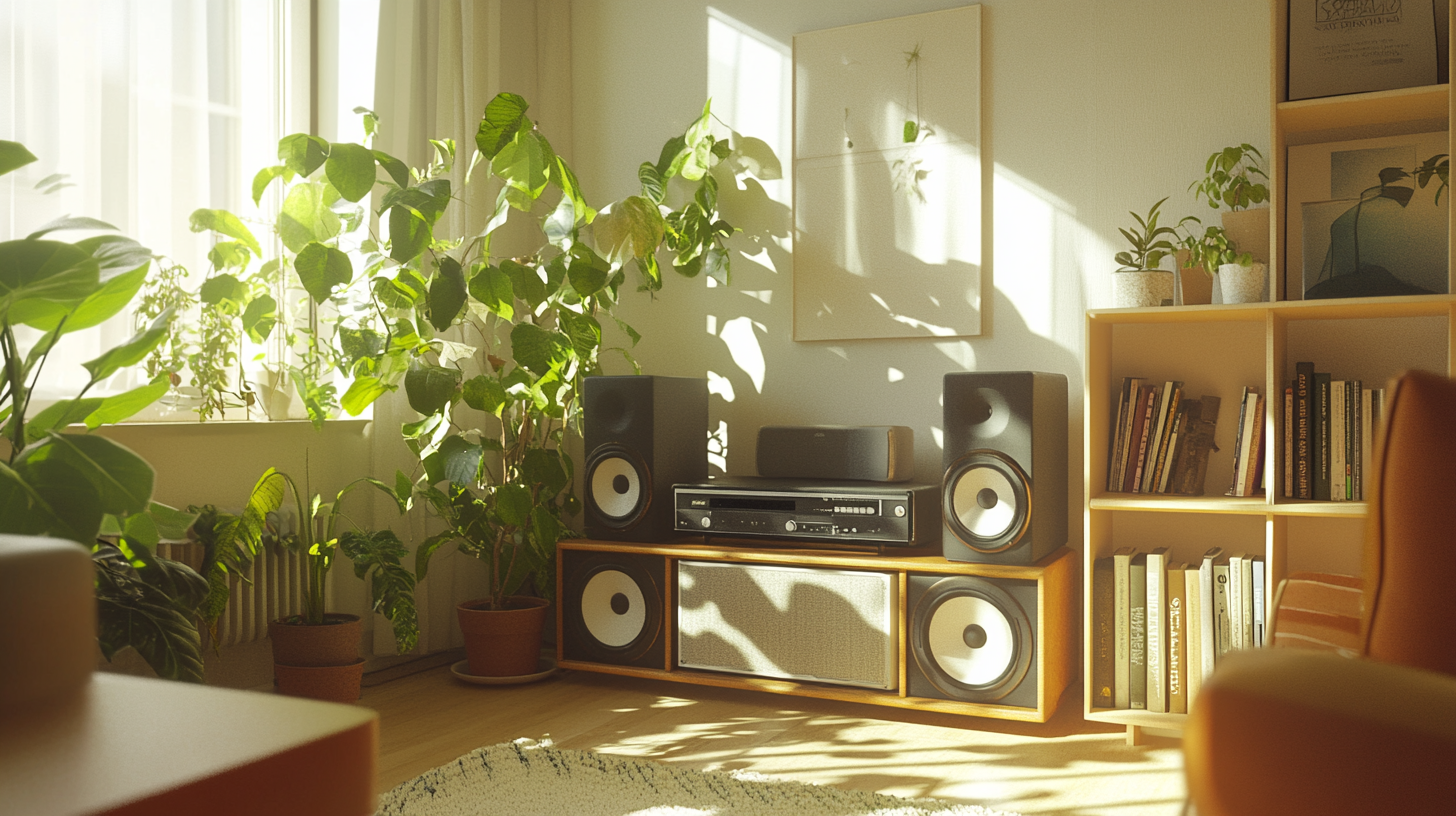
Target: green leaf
121	406
543	467
716	264
545	527
59	415
222	287
71	222
536	349
674	153
521	163
485	393
430	388
320	268
653	187
141	529
265	177
98	307
115	254
132	351
526	283
409	234
359	343
376	558
571	190
630	228
13	156
513	503
447	293
461	461
260	317
583	330
122	479
587	271
362	393
225	223
172	524
492	288
302	153
133	612
48	497
307	216
505	116
350	168
396	169
426	549
229	255
37	274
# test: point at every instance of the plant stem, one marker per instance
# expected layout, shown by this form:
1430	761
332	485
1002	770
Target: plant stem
16	382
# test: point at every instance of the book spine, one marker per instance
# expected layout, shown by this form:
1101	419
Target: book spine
1165	442
1122	627
1235	602
1234	481
1288	487
1149	418
1259	613
1303	381
1246	601
1115	437
1175	447
1155	438
1320	452
1136	439
1137	674
1134	392
1367	436
1208	612
1177	642
1103	611
1254	484
1157	648
1221	631
1352	440
1337	440
1193	635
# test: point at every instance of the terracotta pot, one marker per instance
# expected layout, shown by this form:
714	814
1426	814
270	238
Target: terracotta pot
339	684
503	642
1194	285
334	643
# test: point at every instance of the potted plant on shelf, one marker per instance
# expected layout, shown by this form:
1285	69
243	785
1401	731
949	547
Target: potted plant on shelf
84	487
1235	276
1234	177
316	653
1139	281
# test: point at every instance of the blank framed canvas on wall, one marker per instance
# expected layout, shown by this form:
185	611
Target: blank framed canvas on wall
887	178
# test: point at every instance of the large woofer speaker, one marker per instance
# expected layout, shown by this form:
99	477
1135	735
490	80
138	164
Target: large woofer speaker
612	606
642	435
1004	486
973	639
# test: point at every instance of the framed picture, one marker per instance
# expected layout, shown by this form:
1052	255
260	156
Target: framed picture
1360	224
887	178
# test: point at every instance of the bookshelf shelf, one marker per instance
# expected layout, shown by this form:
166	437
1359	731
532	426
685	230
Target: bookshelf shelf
1218	350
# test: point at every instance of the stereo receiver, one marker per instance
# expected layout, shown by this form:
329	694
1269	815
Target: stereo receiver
899	515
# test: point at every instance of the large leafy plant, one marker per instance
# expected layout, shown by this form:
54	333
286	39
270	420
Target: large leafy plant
82	486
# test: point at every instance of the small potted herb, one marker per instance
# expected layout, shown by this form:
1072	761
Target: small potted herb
1236	277
1234	179
1139	281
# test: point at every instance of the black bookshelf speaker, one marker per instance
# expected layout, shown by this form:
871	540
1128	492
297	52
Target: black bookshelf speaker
973	639
612	608
642	435
1004	483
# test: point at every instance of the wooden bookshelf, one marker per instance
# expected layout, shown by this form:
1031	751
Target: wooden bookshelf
1217	350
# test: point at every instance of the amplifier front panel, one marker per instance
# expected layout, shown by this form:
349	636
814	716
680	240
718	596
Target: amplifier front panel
800	623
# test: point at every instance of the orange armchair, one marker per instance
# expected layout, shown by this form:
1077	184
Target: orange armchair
1290	731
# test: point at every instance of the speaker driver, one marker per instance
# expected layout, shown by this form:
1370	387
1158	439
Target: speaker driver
972	640
616	486
616	614
987	502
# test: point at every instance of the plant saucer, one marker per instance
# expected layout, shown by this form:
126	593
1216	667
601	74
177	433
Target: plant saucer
544	669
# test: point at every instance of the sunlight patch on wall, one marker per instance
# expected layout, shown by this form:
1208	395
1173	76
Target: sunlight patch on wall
743	346
895	374
713	325
720	385
937	435
718	445
749	80
763	295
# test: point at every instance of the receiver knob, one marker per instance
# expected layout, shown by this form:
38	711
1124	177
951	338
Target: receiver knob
706	522
790	526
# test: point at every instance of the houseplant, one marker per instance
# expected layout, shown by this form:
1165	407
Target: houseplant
1235	178
315	654
1138	280
83	486
1235	276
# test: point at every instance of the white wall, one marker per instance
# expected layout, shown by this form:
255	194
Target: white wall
1091	109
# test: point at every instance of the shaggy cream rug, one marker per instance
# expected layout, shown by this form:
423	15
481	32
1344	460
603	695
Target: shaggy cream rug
528	778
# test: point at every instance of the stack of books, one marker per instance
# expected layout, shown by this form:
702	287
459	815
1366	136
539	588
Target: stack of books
1160	439
1329	428
1162	626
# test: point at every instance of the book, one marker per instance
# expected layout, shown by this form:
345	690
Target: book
1337	441
1157	623
1253	483
1151	430
1246	600
1320	437
1235	602
1234	480
1103	648
1138	438
1288	487
1177	659
1353	441
1221	631
1258	571
1175	445
1367	437
1116	453
1208	611
1303	384
1192	632
1137	664
1122	626
1168	412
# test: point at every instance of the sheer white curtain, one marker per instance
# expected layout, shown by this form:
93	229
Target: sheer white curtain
439	63
139	112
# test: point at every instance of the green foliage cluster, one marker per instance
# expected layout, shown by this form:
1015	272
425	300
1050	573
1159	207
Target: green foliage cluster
1149	246
1210	248
1231	178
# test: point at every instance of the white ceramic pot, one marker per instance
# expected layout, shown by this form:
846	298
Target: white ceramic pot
1145	287
1242	284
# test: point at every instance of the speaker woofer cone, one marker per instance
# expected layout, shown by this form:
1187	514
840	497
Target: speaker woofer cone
616	614
971	639
987	501
618	486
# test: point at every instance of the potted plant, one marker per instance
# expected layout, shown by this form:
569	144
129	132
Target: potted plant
316	653
1139	281
1235	177
1235	276
84	487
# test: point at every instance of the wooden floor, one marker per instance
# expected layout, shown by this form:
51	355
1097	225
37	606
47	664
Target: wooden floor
1066	766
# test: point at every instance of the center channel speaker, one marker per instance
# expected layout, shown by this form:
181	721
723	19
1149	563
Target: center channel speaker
1004	484
973	638
612	608
642	435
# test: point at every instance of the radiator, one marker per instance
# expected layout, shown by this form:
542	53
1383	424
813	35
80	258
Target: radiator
271	588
